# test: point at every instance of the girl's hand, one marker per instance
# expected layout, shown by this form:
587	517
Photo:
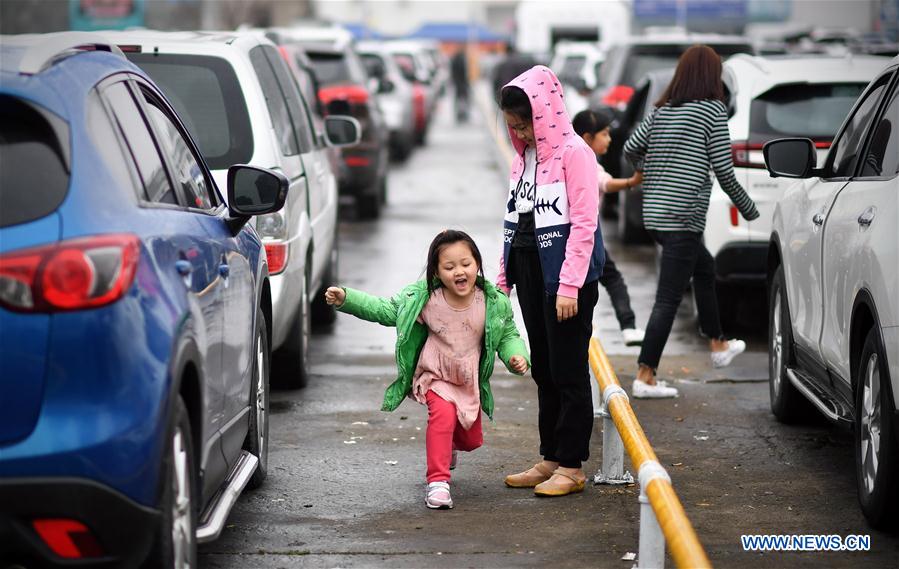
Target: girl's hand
566	307
518	364
636	179
335	296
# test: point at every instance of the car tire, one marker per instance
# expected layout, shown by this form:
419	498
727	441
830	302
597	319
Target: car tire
291	360
257	441
875	444
369	205
176	541
630	219
324	314
728	306
787	404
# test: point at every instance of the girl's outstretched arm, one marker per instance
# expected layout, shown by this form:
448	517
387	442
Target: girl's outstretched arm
363	305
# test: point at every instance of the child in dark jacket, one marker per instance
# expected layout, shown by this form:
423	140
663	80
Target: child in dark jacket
449	329
594	127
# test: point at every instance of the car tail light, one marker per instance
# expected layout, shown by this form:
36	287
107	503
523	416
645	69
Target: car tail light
71	275
69	539
734	216
618	96
277	257
747	154
418	106
357	161
353	94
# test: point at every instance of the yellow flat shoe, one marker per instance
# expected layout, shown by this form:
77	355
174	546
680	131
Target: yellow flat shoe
530	477
560	484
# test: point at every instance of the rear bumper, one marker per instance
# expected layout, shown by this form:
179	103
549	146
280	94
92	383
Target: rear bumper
123	528
742	263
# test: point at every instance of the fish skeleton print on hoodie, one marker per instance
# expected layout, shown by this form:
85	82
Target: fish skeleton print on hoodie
566	203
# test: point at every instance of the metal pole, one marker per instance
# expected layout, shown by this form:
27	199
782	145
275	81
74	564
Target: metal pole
652	541
612	471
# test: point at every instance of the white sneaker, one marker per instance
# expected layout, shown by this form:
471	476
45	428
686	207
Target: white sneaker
453	459
659	390
439	496
633	336
723	359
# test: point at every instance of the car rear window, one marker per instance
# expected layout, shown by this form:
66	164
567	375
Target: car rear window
813	111
645	58
206	94
572	66
34	161
330	68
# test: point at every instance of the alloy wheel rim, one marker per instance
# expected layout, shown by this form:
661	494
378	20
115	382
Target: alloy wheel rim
776	343
261	403
870	423
181	505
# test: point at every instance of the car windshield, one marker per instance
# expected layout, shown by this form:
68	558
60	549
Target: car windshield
813	111
206	94
330	68
34	161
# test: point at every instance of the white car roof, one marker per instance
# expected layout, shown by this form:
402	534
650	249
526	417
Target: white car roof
769	71
239	39
336	35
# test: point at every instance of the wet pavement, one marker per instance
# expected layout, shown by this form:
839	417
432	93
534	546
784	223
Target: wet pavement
346	481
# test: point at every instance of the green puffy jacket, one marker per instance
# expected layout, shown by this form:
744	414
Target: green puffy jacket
500	335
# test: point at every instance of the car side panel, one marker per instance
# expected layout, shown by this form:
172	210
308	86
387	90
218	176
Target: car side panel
856	258
802	255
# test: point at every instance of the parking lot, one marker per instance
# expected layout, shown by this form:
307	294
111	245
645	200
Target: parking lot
182	387
345	488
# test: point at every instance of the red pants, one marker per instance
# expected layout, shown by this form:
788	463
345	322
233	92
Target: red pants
444	434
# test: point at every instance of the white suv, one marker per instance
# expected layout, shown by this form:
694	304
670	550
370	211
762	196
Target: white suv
238	98
772	97
833	274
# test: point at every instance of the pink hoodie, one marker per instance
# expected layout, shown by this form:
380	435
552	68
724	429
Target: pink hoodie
566	203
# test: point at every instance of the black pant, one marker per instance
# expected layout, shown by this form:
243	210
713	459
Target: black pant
613	282
684	256
558	361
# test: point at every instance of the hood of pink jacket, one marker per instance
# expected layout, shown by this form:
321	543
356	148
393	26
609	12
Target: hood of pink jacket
552	125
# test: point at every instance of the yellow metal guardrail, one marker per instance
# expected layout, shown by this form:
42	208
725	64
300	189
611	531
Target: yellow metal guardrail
683	543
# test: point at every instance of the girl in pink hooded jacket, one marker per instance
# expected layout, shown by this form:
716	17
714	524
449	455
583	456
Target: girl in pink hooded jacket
553	255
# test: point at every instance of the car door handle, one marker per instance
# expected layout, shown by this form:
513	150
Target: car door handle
225	271
183	267
865	219
818	219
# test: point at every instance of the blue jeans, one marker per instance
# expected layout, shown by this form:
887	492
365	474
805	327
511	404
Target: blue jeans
684	257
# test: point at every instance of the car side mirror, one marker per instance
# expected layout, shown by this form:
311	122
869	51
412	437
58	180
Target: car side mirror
790	157
254	191
342	131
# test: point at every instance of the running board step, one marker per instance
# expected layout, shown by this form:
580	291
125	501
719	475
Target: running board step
818	397
212	521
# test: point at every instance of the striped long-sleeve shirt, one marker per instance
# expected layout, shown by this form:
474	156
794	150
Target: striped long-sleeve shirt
676	147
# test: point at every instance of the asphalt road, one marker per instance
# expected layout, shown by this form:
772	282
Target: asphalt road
346	483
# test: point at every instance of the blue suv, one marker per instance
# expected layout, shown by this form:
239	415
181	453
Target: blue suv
135	314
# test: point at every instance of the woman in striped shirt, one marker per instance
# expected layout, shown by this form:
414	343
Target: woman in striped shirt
676	147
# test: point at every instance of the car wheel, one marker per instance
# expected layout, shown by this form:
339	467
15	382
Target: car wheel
875	445
290	360
323	313
257	435
728	306
369	205
630	219
176	542
787	404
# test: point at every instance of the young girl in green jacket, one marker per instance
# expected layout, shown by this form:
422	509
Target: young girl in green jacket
449	328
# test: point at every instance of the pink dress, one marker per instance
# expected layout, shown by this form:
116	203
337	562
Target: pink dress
449	362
